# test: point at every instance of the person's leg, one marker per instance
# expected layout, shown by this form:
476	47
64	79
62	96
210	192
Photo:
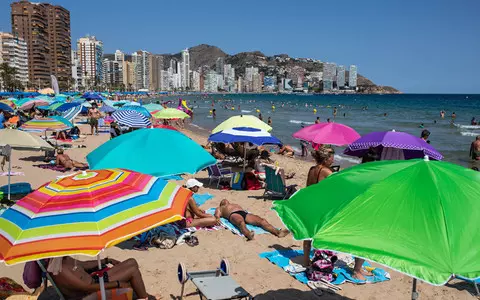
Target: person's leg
239	222
261	222
77	164
358	271
202	222
96	126
307	247
128	271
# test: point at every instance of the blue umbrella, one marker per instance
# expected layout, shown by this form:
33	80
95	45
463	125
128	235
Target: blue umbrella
72	112
178	155
131	118
136	108
244	135
107	109
5	107
66	106
92	96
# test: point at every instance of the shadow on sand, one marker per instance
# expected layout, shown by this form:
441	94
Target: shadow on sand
293	294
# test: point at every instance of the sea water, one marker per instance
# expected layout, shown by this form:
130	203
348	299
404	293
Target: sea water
364	113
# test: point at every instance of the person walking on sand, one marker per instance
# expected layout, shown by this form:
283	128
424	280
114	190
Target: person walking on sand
240	218
93	116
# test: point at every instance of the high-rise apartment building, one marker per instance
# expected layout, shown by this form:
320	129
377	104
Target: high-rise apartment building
229	78
141	67
352	76
112	75
119	56
195	81
90	54
211	82
340	77
220	65
156	66
185	73
329	74
128	75
13	51
46	31
76	71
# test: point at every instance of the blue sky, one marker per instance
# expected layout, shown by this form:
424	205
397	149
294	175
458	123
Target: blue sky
426	46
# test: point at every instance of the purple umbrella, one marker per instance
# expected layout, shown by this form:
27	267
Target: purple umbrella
412	146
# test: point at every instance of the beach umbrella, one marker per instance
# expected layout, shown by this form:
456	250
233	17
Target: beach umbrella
419	217
244	135
47	91
61	97
10	102
107	109
151	107
170	113
6	107
411	146
54	123
72	113
165	127
29	103
21	140
161	152
242	121
327	133
131	118
92	96
139	109
65	106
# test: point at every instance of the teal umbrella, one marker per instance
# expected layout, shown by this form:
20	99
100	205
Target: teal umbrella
154	151
153	107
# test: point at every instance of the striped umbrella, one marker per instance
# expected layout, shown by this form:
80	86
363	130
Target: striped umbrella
86	212
72	113
131	118
30	103
137	108
10	102
54	123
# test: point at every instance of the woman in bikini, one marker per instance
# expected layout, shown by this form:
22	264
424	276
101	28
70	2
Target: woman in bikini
194	216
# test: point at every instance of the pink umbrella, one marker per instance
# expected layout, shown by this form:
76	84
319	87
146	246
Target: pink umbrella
327	133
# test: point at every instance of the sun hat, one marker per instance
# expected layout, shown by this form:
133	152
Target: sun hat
193	182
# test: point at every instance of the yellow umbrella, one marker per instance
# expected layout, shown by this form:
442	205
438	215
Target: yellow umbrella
47	91
170	113
242	121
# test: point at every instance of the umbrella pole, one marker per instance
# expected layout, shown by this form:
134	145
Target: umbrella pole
102	283
244	155
414	289
9	173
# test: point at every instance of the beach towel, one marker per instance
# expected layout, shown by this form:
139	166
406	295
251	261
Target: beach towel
201	199
17	188
226	223
12	174
282	259
9	287
57	168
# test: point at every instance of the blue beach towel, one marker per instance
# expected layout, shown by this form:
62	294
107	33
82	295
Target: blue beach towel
282	258
233	228
200	199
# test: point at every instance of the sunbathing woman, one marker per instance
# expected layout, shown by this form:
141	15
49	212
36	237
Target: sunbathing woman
77	279
195	217
65	161
240	218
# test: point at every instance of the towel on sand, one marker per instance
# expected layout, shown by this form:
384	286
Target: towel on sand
12	174
226	223
200	199
282	258
57	168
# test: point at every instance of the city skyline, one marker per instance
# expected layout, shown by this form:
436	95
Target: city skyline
408	40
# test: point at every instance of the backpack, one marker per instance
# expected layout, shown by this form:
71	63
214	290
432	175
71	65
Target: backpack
322	266
32	275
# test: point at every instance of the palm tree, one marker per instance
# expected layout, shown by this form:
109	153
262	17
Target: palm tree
7	76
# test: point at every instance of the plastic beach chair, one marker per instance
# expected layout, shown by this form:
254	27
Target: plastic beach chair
215	172
275	187
475	283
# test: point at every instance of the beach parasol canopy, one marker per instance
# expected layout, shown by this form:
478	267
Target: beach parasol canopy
6	107
72	113
151	107
54	123
411	146
244	135
21	140
86	212
137	108
165	127
29	103
419	217
131	118
10	102
170	113
158	152
92	96
327	133
242	121
47	91
107	109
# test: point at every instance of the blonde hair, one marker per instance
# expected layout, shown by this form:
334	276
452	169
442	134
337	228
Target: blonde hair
322	154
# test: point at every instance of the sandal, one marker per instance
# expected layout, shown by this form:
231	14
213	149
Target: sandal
192	241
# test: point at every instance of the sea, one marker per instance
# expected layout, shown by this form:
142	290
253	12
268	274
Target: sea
409	113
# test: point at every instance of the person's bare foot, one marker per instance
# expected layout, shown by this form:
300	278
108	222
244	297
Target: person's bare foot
358	275
283	233
250	236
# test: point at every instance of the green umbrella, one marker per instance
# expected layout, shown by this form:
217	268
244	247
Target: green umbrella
153	107
242	121
170	113
417	216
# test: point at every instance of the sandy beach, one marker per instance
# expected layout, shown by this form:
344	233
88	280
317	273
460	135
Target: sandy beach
257	275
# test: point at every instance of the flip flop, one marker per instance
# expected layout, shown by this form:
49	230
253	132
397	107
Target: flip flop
192	241
317	291
295	268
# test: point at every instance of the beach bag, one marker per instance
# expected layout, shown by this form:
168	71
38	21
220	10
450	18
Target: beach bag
32	275
237	181
322	266
251	182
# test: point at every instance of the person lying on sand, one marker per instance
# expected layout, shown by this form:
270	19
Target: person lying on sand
77	279
286	150
65	161
195	217
240	218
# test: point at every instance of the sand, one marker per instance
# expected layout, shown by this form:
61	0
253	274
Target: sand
258	276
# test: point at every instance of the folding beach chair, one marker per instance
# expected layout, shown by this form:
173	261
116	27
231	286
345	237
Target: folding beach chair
475	283
276	188
215	172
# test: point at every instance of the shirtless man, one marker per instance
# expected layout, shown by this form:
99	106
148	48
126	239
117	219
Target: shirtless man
93	116
475	149
286	150
240	218
77	279
195	217
65	161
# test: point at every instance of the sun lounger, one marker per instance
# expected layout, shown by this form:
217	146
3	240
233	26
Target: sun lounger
215	172
275	186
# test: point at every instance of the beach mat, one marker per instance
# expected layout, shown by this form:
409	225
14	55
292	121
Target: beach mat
12	174
18	188
200	199
57	168
282	259
233	228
